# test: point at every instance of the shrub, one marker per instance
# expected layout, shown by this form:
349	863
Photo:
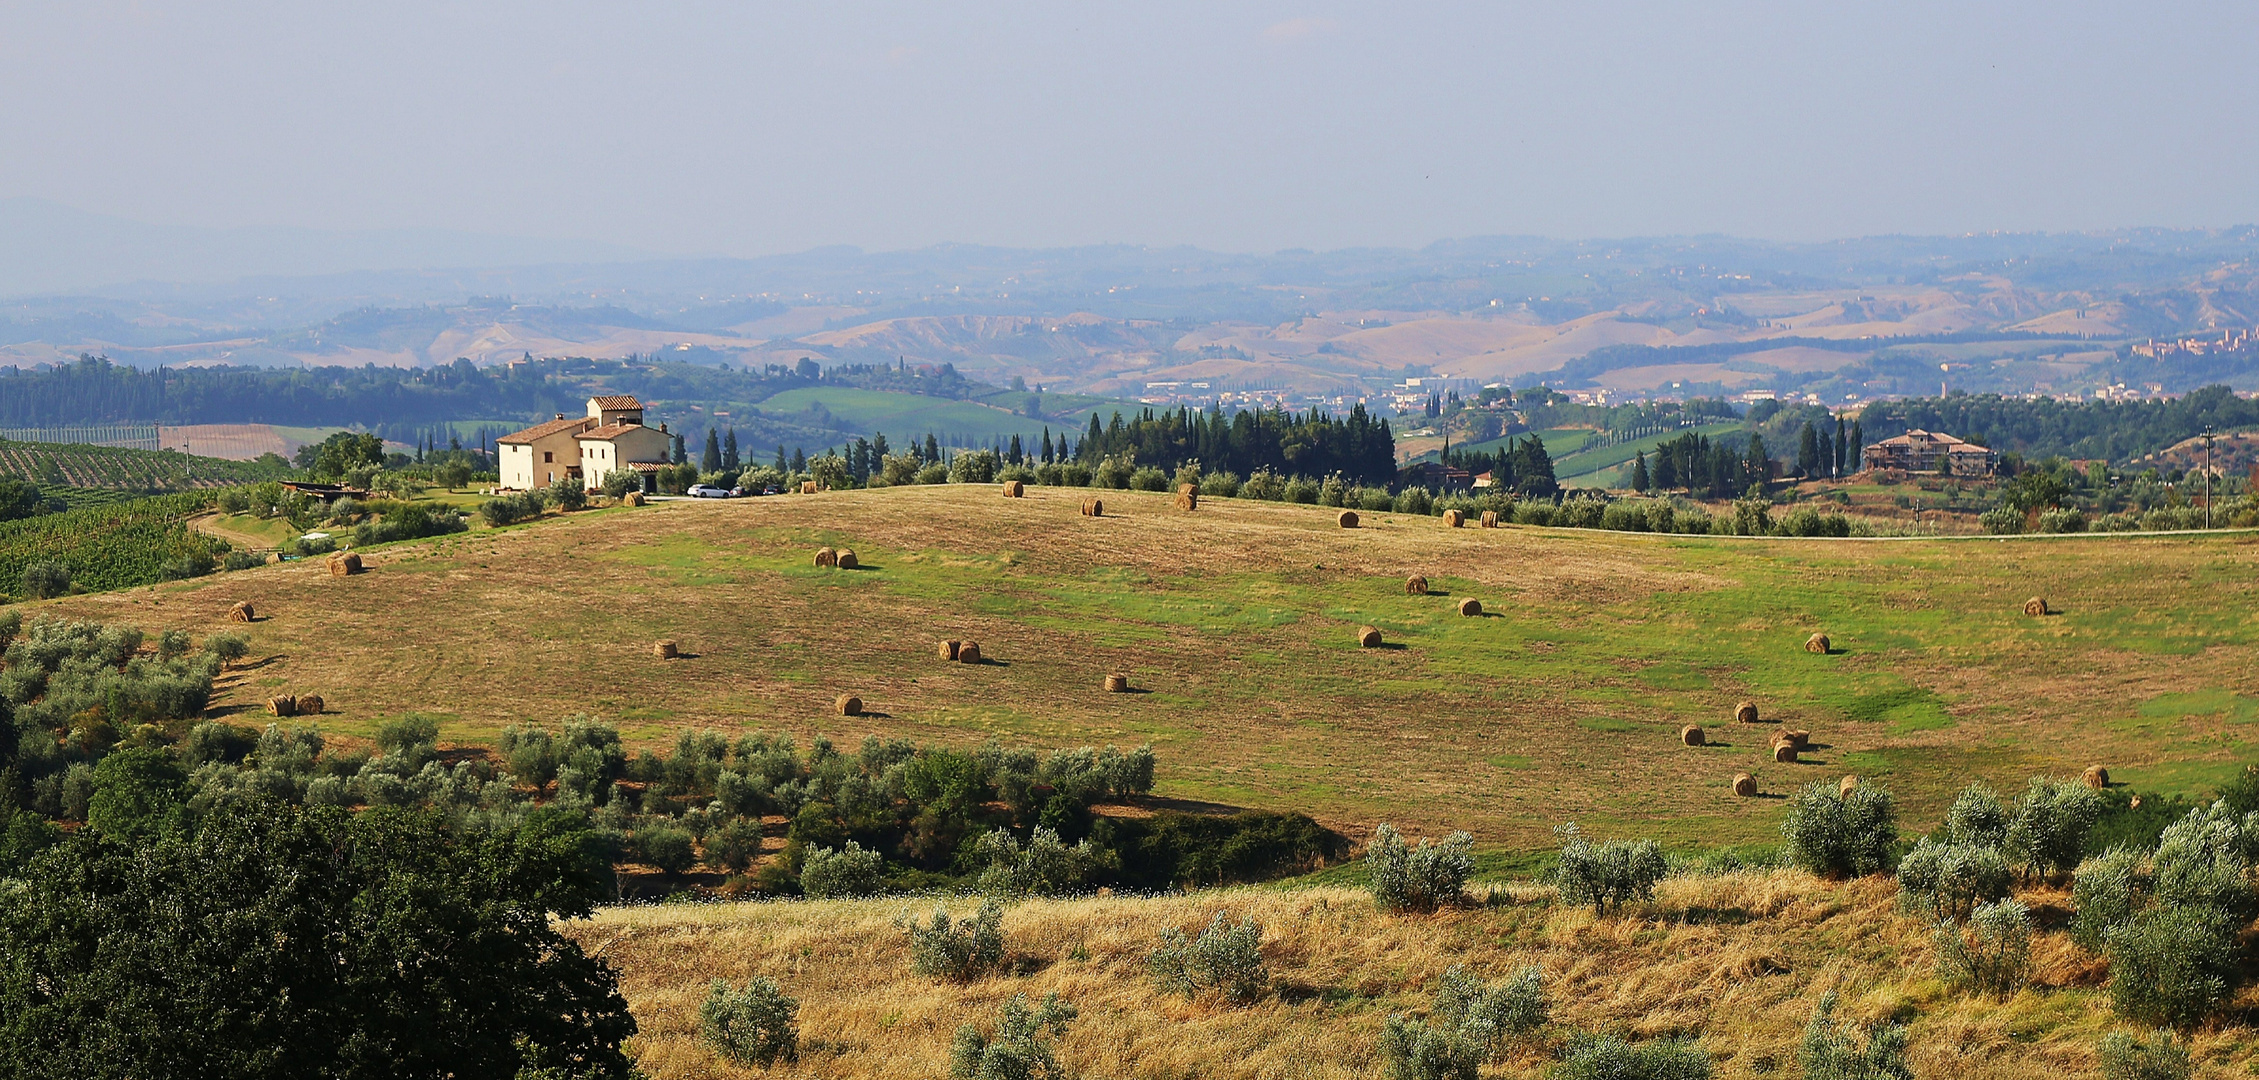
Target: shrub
2107	891
1609	1057
1694	521
566	494
405	734
1022	1045
243	560
510	509
2204	860
1752	517
2162	1056
1187	473
2171	966
1993	954
2002	522
895	470
753	1026
1302	490
215	741
1415	1050
1113	472
1264	483
853	870
1948	881
935	473
1374	499
1840	835
1333	490
1977	817
1221	485
960	951
46	580
666	847
1413	500
2048	832
734	845
1405	878
1580	513
228	647
1533	513
1148	478
530	753
185	566
1224	958
970	467
1831	1051
1662	517
1074	474
2062	520
1606	875
1044	866
1491	1015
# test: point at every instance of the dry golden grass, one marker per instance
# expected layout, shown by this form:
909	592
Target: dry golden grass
1563	702
1739	959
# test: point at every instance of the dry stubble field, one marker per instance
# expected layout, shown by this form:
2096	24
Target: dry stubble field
1563	702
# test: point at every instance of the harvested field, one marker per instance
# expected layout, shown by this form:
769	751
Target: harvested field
1240	625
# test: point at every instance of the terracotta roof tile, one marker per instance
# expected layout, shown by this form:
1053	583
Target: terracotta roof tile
543	431
618	402
610	431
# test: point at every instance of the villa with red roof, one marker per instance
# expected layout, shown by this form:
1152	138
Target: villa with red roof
588	448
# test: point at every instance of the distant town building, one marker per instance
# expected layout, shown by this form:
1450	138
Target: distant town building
1920	451
1436	476
612	436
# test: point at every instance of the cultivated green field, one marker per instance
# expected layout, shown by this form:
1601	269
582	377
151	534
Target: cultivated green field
902	415
1563	702
1610	466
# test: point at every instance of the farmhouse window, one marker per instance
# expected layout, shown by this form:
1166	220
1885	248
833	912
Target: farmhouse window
548	456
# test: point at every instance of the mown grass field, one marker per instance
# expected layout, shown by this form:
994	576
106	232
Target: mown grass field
1563	703
903	415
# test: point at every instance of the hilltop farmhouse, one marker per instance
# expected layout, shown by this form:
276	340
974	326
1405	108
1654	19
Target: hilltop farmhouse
612	436
1920	451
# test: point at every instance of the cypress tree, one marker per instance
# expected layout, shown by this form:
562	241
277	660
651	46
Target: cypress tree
729	451
1639	478
799	460
711	460
1857	450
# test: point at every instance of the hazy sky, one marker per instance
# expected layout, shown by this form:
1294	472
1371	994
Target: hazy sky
748	128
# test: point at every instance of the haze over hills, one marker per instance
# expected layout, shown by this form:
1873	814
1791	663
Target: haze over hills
1845	320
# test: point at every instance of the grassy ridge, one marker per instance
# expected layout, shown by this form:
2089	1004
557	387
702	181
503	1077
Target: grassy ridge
1740	960
1563	703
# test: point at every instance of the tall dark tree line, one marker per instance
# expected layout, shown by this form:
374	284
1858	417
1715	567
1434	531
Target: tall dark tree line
1315	443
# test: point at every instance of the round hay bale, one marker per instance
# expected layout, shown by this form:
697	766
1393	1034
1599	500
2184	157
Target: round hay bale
826	557
1368	637
849	705
1784	753
1746	712
2096	777
846	559
342	565
1846	786
241	612
968	653
1094	508
1188	498
1014	489
1797	737
1817	643
666	650
1744	785
1415	586
1490	519
948	649
1692	736
2035	606
632	498
807	487
310	705
1454	519
1117	683
1470	607
282	705
1347	519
